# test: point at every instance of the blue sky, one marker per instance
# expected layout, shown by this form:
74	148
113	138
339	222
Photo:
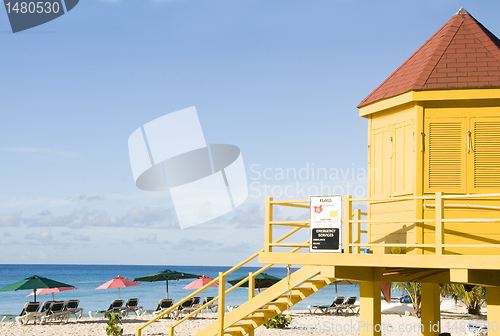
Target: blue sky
279	79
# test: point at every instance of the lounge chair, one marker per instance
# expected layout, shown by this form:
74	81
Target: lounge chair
187	307
29	308
327	309
114	307
211	306
473	329
72	307
131	307
346	306
35	315
56	311
163	305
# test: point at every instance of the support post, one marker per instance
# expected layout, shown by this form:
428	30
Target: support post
356	231
430	316
347	225
493	304
370	322
251	285
439	222
268	217
221	310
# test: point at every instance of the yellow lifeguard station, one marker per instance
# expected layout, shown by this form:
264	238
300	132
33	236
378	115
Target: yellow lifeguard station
433	193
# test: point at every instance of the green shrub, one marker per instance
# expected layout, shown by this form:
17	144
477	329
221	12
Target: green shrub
278	322
473	299
113	327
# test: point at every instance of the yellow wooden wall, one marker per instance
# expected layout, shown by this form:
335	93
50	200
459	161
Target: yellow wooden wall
392	165
392	151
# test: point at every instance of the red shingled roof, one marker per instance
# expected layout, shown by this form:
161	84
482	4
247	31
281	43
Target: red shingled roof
462	54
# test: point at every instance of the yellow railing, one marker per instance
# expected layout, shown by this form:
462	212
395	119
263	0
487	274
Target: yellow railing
222	292
352	224
351	240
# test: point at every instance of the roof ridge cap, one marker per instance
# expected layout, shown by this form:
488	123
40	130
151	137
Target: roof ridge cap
462	11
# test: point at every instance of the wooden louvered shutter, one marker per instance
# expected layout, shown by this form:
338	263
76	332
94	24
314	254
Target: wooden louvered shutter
445	155
485	151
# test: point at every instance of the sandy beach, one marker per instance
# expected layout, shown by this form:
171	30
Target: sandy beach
453	319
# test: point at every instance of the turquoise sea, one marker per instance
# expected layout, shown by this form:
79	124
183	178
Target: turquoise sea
87	277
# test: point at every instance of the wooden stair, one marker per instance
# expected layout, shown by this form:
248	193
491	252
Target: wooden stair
271	302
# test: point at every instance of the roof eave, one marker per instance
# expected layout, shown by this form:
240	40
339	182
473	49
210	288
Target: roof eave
480	93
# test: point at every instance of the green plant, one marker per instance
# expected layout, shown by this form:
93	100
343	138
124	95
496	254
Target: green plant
278	322
413	291
113	327
473	299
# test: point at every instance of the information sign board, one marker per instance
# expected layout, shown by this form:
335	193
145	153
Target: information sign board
326	224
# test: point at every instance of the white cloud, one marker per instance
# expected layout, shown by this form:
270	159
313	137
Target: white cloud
236	248
43	236
199	244
85	217
82	238
152	239
249	217
85	198
12	219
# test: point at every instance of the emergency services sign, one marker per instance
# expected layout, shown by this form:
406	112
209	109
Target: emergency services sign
326	224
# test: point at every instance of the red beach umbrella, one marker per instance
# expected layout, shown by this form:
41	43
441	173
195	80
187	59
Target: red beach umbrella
41	291
200	282
118	282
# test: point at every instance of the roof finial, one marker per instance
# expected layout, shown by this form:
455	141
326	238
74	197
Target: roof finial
462	11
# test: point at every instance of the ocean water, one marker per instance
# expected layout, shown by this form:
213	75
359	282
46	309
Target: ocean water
87	277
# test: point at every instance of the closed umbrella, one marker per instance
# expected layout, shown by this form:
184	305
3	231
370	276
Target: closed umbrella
41	291
166	275
34	282
118	282
262	280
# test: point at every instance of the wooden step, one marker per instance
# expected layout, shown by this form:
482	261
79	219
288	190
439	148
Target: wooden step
294	299
302	292
263	313
315	285
231	332
241	327
326	280
279	306
255	321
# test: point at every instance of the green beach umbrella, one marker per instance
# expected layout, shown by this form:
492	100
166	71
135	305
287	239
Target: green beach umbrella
34	282
166	275
262	280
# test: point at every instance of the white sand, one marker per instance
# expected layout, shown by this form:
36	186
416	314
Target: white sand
453	319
